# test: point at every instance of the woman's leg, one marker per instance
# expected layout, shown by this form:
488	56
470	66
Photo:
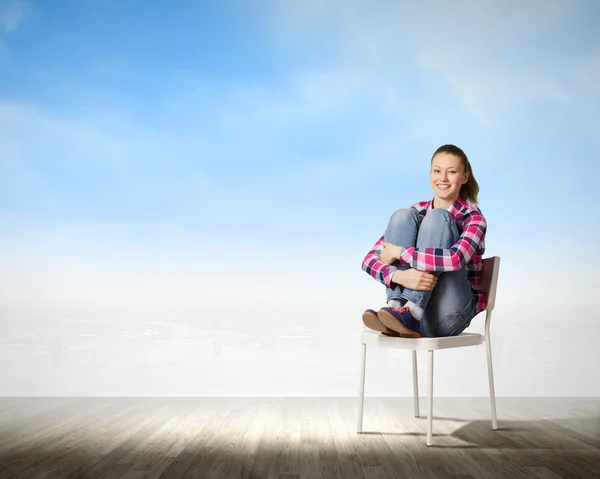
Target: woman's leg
451	307
401	230
448	309
438	230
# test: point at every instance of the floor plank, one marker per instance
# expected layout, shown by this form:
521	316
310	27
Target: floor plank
296	438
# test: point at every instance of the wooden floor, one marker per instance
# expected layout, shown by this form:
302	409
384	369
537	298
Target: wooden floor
296	438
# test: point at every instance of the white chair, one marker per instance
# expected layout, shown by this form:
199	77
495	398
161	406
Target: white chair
489	281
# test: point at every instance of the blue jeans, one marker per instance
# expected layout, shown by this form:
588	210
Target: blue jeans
449	307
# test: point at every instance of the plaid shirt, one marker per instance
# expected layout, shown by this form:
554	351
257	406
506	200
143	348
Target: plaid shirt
466	253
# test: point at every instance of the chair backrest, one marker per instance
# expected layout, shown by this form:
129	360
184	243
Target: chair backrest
489	279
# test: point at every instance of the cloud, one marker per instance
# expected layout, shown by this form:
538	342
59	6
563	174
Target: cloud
493	57
397	81
56	163
305	135
498	56
396	77
11	14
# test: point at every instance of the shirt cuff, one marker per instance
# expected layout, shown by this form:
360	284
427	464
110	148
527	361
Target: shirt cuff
387	277
406	255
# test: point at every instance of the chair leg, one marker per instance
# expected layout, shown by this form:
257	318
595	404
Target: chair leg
361	394
488	347
415	382
430	397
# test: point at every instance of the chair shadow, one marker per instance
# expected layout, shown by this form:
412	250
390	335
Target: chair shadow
556	434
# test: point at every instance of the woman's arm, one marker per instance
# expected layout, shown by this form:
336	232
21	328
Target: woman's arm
387	274
454	258
373	265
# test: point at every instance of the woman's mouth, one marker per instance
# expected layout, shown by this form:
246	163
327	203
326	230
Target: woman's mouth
443	187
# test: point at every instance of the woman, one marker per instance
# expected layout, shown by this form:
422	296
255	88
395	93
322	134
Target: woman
430	256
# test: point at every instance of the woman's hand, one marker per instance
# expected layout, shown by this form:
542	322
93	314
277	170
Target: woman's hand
389	253
415	279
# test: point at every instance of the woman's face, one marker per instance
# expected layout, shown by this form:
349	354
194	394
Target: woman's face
447	176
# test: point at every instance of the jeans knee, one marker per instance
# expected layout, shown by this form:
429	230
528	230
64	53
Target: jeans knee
437	220
404	216
438	216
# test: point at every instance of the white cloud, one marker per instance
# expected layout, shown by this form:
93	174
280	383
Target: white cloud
365	85
383	110
11	14
493	56
261	129
131	160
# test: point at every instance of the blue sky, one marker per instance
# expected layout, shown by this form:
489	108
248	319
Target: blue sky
287	129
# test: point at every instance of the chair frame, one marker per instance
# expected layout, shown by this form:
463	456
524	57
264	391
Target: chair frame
489	283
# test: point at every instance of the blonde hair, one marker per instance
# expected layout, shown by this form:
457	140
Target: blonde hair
470	189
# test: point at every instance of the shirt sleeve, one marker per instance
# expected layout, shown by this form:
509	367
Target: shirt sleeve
454	258
375	267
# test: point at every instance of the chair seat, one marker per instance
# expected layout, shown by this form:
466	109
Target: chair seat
374	338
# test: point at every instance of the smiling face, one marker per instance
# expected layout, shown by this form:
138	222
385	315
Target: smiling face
447	176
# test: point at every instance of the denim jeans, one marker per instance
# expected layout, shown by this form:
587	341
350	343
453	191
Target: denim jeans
449	307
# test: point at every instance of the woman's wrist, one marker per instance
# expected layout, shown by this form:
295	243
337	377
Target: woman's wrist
397	276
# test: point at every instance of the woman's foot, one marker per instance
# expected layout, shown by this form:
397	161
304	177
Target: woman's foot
401	321
371	321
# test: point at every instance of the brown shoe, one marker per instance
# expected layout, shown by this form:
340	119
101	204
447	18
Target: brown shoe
371	321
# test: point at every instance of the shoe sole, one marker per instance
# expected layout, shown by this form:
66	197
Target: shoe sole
390	322
371	321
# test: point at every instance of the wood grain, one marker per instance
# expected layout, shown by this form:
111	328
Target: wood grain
296	438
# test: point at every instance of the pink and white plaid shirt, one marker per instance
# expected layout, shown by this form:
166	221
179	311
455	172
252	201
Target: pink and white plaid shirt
467	252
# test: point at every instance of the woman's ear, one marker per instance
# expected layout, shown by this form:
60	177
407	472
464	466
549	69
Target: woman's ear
467	176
